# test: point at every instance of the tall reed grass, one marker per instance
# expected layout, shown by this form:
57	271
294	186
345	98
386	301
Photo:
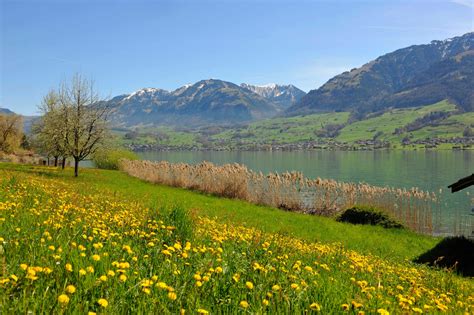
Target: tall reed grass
291	190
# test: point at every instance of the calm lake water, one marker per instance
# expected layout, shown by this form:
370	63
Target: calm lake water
427	170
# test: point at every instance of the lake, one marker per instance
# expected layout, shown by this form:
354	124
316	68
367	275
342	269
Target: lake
427	170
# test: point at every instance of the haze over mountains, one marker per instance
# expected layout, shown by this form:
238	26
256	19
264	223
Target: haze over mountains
412	76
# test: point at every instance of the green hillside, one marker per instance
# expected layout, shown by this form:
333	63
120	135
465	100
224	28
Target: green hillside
417	126
282	130
384	125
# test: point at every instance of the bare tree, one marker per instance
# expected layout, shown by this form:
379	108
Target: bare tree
10	132
85	120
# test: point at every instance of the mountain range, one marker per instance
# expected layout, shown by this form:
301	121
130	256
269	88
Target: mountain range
205	102
412	76
5	111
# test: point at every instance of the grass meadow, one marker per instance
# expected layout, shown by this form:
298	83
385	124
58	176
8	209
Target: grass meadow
109	243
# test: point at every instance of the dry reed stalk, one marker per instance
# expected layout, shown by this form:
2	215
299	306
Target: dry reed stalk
291	190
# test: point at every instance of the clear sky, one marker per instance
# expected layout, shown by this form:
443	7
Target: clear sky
128	45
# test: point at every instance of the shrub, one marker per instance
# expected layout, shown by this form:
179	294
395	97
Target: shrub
368	215
109	159
452	252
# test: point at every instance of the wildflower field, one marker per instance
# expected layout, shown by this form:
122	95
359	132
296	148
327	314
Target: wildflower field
73	246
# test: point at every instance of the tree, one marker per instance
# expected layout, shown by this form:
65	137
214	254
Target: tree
10	132
468	132
51	129
84	117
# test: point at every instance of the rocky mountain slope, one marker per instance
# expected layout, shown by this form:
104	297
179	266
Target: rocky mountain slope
205	102
5	111
405	77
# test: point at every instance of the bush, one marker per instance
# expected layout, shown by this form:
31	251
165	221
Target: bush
109	159
368	215
456	253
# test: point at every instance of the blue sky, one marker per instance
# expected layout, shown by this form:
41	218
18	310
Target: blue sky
128	45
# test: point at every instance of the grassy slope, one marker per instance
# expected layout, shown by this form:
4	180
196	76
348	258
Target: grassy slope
389	244
388	122
75	246
302	128
160	136
283	130
453	126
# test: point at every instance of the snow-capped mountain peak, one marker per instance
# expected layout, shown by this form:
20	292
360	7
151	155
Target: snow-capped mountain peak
147	93
284	95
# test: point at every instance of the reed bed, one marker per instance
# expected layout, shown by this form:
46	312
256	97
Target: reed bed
291	191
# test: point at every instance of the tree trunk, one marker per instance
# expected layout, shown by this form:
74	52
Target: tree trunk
48	160
63	163
76	167
56	161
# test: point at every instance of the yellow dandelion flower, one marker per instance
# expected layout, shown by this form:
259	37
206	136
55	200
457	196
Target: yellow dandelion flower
172	296
63	299
236	277
244	304
315	307
249	285
294	286
356	305
162	285
70	289
103	302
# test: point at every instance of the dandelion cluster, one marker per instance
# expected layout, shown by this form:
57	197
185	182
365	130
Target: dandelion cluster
76	249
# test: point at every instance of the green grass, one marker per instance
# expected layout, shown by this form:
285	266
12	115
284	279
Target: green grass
453	126
165	136
110	244
386	123
282	130
399	244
